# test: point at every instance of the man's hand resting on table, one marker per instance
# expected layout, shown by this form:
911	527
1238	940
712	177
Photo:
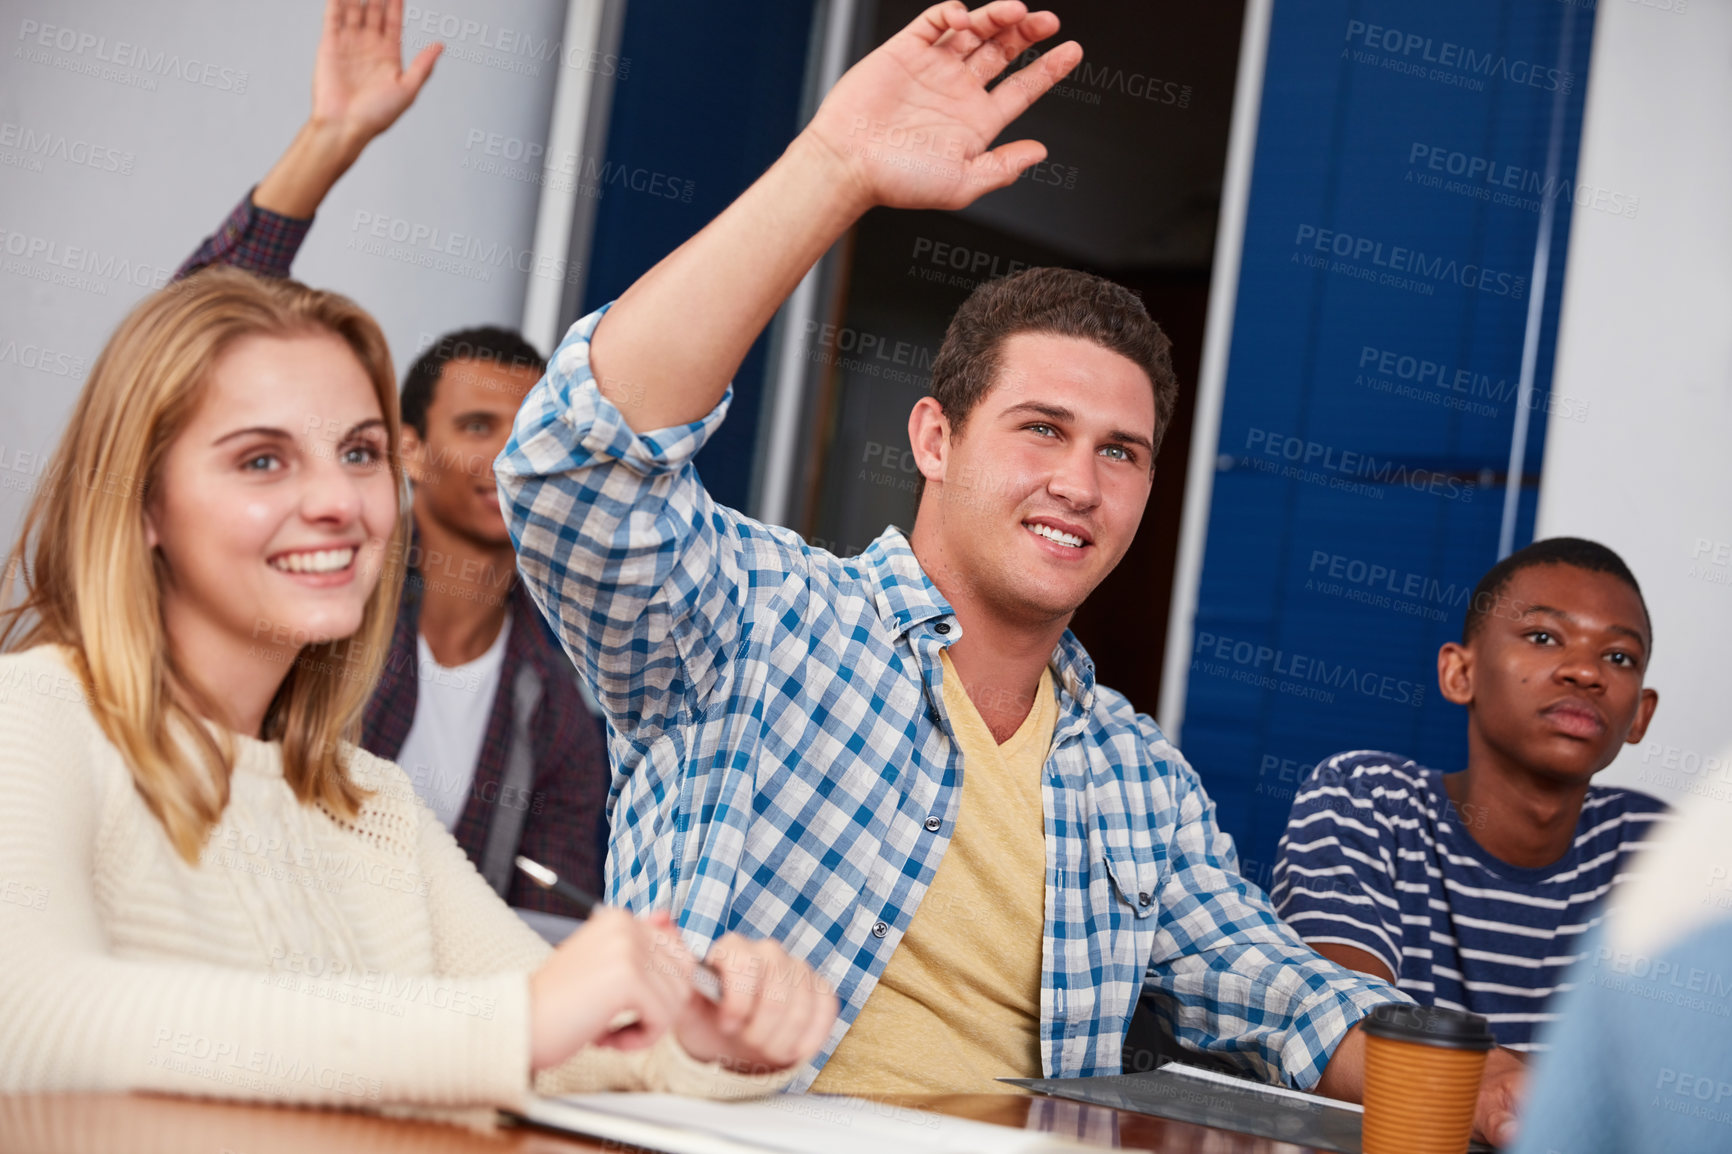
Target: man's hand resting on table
1500	1089
1501	1092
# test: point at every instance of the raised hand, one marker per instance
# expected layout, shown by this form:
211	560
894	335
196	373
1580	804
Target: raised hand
360	88
909	127
360	85
912	121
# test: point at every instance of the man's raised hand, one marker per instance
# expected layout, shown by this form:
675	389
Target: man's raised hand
910	126
360	88
911	123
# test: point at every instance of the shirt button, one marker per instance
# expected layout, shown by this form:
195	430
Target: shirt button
942	627
934	823
1142	899
880	929
933	714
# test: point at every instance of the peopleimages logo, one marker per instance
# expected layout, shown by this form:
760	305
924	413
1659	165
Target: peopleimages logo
43	144
975	261
33	356
1346	463
1089	79
1269	668
527	161
1411	53
463	254
1419	378
508	49
1380	586
94	50
1362	257
1508	184
86	269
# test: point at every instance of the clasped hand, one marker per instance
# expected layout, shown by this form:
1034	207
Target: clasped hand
622	982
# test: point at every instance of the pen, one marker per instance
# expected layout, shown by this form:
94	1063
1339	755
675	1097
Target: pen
705	980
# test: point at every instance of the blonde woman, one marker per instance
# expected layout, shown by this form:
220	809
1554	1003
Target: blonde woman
207	888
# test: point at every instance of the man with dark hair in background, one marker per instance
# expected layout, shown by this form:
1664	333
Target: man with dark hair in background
1476	890
476	702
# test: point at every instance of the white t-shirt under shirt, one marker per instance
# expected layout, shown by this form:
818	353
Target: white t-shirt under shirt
452	706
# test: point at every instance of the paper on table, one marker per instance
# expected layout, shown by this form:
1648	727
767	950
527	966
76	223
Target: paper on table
785	1123
1220	1079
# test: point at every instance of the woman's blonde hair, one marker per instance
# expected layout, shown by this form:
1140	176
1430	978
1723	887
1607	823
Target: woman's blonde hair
93	584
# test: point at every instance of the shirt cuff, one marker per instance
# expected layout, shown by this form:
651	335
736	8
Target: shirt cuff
600	430
254	239
276	219
1323	1021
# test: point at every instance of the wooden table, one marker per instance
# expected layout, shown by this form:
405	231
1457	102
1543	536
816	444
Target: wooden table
150	1124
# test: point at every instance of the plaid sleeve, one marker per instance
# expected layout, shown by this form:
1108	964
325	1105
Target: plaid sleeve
252	238
1232	977
626	554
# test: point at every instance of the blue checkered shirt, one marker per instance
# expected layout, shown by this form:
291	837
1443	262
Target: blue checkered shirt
783	764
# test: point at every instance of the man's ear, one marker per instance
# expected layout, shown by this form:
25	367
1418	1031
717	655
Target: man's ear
1644	714
929	436
413	450
1455	673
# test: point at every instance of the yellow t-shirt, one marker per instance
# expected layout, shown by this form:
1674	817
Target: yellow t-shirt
958	1004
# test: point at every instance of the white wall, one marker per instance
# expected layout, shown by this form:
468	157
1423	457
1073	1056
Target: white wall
187	150
1646	340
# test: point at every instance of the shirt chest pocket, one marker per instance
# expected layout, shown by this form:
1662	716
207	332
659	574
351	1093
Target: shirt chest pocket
1135	879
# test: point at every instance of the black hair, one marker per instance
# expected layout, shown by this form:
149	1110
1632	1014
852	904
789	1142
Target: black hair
1576	552
486	343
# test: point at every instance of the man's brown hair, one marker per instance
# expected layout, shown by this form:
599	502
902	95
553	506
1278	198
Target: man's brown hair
1061	301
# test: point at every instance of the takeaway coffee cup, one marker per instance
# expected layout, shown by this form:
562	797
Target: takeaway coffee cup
1422	1072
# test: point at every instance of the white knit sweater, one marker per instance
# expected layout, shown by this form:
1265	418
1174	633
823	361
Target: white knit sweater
304	959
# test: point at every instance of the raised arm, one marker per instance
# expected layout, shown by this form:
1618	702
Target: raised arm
909	126
360	88
645	578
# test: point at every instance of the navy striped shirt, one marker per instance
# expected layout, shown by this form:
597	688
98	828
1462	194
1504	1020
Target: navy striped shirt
1375	857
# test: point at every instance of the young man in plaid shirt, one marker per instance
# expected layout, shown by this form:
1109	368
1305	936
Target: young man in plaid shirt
900	764
476	702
